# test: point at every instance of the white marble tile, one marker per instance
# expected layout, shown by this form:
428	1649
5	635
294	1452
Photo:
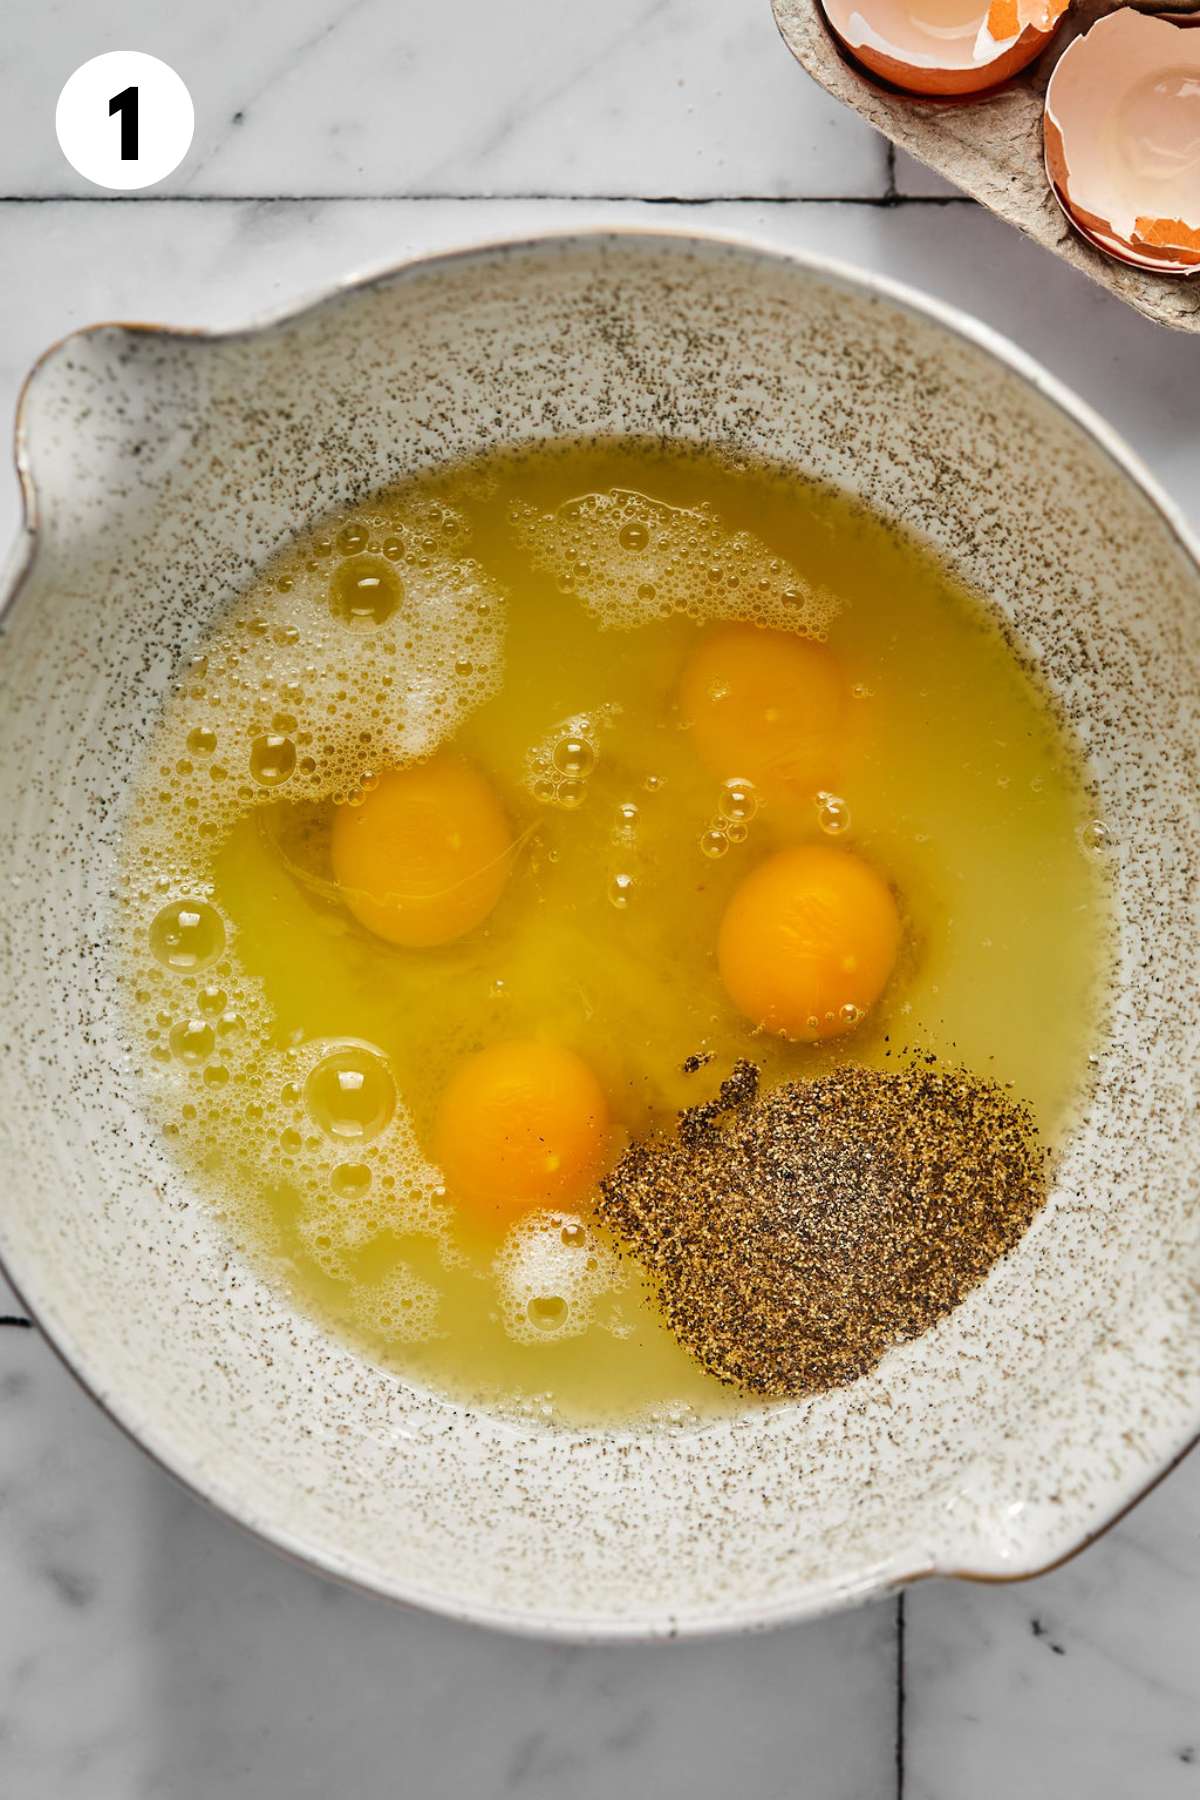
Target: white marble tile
917	178
149	1649
645	97
1085	1682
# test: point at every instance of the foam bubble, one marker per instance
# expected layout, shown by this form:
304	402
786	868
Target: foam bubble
403	1305
350	663
358	650
558	766
551	1270
631	559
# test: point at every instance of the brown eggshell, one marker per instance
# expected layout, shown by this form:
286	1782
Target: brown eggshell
935	83
1126	57
909	65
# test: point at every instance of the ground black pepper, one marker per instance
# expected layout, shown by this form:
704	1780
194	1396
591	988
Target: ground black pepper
794	1237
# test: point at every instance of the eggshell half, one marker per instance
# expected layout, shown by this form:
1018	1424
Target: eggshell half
1122	139
943	48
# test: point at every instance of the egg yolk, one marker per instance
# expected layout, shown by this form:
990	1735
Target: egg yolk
767	706
808	941
521	1124
425	856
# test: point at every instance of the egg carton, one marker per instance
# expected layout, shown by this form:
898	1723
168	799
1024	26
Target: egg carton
991	147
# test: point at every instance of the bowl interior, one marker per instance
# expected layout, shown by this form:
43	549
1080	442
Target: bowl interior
162	469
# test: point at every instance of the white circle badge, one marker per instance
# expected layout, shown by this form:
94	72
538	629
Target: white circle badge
125	119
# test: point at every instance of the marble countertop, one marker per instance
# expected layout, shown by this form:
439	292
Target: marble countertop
147	1648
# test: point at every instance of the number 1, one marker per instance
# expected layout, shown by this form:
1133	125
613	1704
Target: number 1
126	103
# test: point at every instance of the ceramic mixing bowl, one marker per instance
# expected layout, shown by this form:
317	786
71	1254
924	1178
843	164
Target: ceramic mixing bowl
159	469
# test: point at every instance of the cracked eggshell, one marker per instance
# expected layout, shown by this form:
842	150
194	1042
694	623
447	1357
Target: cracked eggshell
943	48
1122	139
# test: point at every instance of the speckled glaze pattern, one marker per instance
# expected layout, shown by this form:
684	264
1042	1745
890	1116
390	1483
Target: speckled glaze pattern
160	469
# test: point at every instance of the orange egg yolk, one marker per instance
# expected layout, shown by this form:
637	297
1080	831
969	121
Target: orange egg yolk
808	941
521	1124
425	856
767	706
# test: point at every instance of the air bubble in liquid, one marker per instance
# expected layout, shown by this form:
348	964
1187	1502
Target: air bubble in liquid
350	1093
574	757
739	802
187	935
547	1311
833	815
366	590
192	1040
272	759
350	1181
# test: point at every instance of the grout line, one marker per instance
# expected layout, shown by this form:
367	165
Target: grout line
900	1696
12	1319
890	198
890	193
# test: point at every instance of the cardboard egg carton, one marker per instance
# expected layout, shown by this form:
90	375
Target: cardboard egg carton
991	147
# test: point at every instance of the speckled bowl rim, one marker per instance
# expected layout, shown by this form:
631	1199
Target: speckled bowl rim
20	563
